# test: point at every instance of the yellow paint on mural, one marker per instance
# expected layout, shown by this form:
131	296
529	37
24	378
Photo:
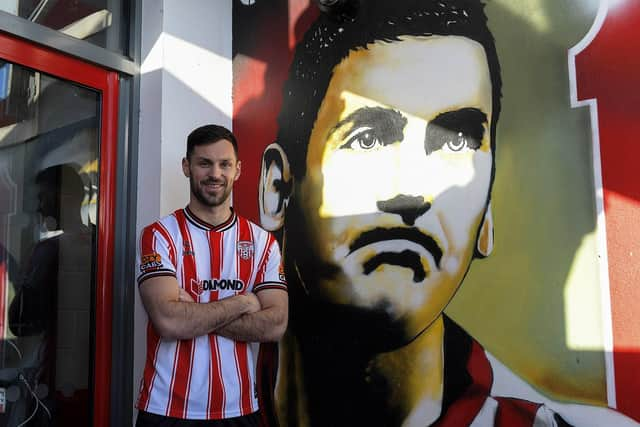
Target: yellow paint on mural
535	303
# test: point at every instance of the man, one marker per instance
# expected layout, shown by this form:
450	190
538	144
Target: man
200	363
381	180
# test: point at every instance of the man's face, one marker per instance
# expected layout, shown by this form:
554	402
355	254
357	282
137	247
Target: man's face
398	173
212	169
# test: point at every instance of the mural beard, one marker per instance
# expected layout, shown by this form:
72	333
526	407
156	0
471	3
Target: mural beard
315	314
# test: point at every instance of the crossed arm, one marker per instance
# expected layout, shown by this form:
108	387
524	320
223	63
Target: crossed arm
243	317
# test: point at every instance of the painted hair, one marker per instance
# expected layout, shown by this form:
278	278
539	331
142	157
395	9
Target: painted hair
208	134
355	25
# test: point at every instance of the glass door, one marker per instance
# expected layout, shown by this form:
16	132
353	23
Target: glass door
57	154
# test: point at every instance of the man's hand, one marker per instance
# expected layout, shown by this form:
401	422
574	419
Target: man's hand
252	301
266	325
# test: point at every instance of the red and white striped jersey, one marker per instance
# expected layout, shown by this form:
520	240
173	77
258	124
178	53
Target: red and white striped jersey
208	377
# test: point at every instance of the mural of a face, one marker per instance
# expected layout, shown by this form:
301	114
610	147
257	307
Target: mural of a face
398	176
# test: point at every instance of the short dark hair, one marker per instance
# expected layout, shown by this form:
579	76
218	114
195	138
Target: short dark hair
333	36
209	134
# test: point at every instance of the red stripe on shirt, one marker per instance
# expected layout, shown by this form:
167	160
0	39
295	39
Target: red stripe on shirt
464	410
217	398
245	271
172	247
147	241
262	265
148	245
515	412
149	375
181	379
181	376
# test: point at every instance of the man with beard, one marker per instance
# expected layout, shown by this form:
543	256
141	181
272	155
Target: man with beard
211	283
380	182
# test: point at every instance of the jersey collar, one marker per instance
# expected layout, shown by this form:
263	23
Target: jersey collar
200	223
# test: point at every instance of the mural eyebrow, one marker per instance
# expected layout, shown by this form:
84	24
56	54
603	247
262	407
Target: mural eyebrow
386	123
465	119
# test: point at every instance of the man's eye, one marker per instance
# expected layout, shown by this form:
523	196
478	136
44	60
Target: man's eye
362	139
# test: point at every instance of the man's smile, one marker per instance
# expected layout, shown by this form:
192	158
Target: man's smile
213	185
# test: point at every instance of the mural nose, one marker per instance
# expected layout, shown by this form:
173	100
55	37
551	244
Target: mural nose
408	207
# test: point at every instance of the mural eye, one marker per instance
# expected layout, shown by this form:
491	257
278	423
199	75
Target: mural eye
456	131
458	142
362	139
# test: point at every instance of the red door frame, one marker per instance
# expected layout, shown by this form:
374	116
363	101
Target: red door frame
106	82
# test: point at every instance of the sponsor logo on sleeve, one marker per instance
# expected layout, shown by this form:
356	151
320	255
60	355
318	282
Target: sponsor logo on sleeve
150	262
281	272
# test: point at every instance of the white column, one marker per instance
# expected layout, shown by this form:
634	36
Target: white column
186	77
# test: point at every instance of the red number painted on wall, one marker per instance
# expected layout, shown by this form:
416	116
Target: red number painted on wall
607	70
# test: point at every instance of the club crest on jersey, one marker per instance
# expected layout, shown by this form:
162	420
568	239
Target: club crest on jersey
245	250
199	286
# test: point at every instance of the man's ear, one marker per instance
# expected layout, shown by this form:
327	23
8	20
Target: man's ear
238	170
484	245
275	187
185	167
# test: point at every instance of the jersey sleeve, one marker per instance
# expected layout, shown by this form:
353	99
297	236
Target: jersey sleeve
272	271
156	254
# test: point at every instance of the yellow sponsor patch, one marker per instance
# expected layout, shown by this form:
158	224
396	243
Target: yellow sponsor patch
150	262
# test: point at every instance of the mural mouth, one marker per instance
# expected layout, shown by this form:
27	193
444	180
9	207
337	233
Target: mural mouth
407	258
404	258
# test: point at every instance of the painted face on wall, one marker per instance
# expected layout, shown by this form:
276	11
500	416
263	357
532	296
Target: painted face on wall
398	174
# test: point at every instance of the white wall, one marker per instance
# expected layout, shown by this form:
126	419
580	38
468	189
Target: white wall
186	80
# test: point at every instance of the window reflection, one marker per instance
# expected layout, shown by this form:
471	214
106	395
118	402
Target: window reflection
48	187
102	22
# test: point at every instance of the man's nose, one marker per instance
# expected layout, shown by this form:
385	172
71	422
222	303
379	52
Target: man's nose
408	207
215	171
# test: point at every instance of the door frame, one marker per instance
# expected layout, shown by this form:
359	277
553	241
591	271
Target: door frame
106	82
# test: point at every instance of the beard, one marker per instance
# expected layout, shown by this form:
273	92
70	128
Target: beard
207	199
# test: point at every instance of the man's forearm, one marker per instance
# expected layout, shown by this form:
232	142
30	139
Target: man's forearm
263	326
184	320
